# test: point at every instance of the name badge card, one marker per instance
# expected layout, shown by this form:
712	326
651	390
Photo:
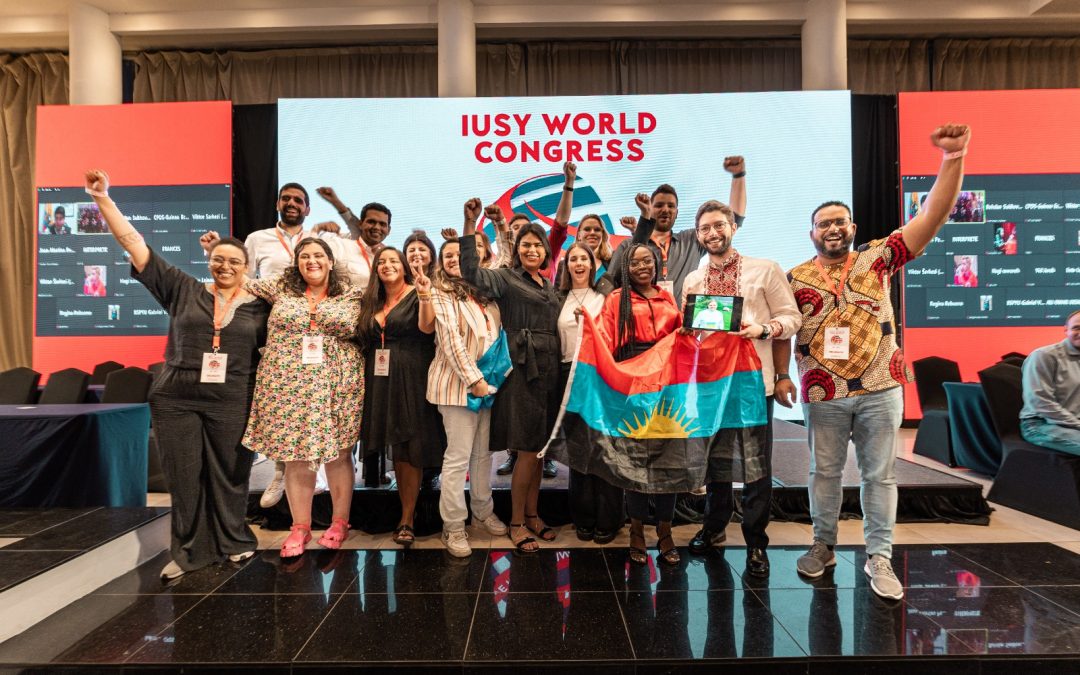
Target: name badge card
838	343
213	367
667	285
313	350
382	362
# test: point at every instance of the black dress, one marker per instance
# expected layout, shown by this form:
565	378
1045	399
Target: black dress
396	412
527	404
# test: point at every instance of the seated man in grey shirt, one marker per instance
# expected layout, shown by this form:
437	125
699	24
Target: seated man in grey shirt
1051	413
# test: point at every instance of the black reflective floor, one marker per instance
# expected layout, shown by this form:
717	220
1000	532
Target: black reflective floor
968	608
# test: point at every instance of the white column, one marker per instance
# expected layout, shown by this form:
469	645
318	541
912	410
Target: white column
824	45
457	48
95	62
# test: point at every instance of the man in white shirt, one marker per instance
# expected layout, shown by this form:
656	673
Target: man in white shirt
270	250
769	312
357	249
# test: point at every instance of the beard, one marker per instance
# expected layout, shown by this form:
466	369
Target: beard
822	246
291	221
722	246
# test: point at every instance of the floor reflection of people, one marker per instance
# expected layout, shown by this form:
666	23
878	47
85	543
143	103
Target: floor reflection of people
657	597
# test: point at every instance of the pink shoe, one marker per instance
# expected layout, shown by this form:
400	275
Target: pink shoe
335	534
299	536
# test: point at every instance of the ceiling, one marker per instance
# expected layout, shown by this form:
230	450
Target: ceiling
215	24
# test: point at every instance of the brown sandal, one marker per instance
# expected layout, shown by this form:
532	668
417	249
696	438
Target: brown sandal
638	555
521	544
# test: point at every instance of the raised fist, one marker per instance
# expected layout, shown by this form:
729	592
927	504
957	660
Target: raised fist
569	170
951	137
327	193
448	233
644	204
97	181
734	164
628	222
493	212
208	239
472	209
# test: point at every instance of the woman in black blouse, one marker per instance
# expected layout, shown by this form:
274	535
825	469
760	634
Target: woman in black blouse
199	402
528	402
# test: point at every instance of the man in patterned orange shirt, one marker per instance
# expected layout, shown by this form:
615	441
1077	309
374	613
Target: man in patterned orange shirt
851	368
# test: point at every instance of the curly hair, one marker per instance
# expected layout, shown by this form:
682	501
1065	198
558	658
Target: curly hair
337	281
455	286
367	331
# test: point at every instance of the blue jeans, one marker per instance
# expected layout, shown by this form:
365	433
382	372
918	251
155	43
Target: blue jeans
1043	433
870	421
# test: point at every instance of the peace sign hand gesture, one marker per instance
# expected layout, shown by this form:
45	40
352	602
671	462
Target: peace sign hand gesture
420	280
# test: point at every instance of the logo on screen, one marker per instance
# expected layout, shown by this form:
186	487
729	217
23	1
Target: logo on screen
538	198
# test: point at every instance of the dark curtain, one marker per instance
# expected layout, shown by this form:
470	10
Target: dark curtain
255	179
875	156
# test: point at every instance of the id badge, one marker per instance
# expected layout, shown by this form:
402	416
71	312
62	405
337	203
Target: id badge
382	362
213	367
838	343
313	350
667	285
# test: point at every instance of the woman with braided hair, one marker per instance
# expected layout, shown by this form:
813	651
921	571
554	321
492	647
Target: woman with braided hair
635	317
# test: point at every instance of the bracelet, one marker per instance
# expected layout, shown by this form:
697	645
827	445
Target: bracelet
955	155
568	188
741	174
782	376
423	296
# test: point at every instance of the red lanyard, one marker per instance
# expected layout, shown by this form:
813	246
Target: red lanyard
837	290
483	310
663	255
284	244
313	305
219	315
363	252
387	308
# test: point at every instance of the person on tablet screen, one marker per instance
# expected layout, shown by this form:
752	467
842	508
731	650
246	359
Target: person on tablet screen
711	318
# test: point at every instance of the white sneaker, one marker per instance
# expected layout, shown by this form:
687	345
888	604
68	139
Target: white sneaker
171	571
492	525
883	580
240	557
457	543
273	492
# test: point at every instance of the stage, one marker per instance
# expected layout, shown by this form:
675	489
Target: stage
924	495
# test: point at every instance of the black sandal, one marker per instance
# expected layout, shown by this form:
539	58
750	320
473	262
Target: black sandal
545	533
404	535
638	555
519	546
671	555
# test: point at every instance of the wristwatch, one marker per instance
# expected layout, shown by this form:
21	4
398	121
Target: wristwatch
765	332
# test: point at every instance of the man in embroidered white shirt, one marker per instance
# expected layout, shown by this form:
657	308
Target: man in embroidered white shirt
769	312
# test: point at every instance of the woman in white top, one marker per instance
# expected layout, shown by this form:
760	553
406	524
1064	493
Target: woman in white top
595	506
466	325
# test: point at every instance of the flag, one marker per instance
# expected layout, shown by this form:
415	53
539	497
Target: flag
495	365
680	415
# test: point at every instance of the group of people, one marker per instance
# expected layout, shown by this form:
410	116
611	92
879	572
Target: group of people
304	346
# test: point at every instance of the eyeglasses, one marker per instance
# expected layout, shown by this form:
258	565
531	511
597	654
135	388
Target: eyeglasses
826	224
641	264
218	261
715	227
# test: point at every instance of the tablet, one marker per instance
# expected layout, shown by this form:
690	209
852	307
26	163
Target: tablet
713	312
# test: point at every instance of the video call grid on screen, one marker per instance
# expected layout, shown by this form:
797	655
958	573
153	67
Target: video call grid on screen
1009	255
84	282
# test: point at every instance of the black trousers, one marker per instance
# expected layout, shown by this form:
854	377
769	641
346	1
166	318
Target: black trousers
637	504
207	471
595	504
756	500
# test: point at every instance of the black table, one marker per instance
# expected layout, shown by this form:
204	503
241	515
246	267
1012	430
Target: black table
88	454
975	442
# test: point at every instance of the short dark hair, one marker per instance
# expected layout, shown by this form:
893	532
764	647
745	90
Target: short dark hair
714	205
375	206
294	186
230	241
517	216
827	205
665	189
59	211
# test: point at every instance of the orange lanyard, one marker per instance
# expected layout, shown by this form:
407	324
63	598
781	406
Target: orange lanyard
837	290
313	305
286	245
387	308
483	310
219	315
363	252
663	255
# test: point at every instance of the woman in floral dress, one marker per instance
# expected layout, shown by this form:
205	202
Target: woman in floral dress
309	387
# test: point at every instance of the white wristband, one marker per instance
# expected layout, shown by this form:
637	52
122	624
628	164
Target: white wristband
95	193
955	155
